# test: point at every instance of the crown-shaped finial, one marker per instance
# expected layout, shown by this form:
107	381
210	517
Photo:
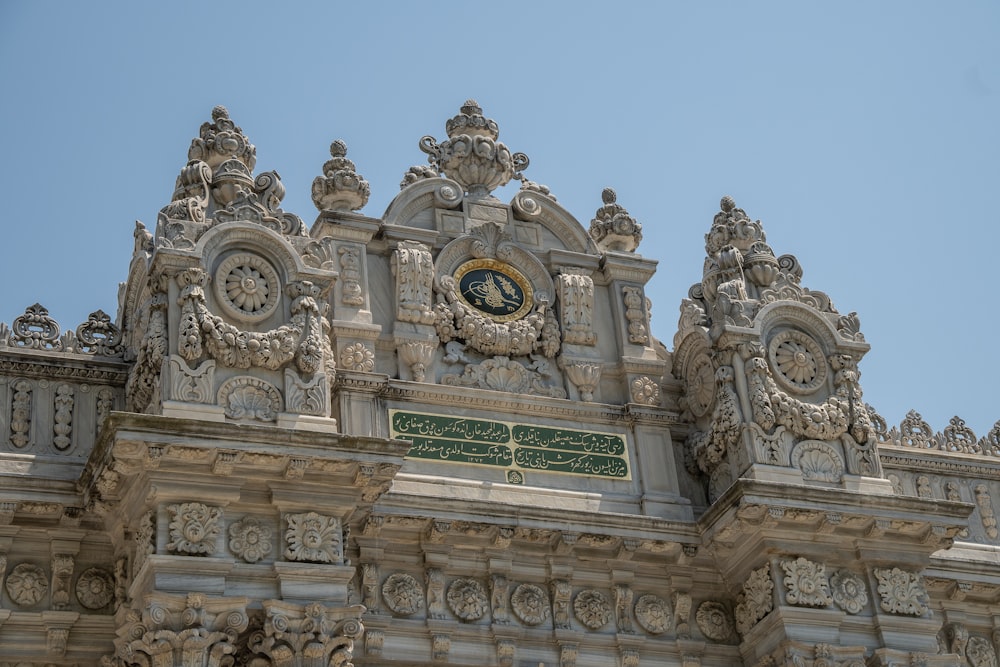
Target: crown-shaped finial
612	227
222	140
340	188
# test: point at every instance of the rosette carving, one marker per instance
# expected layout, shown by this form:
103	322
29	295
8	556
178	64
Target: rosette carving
714	621
250	539
95	589
530	604
403	594
472	156
592	609
467	599
27	585
653	614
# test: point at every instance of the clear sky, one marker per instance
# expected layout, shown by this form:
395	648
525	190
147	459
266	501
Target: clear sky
864	135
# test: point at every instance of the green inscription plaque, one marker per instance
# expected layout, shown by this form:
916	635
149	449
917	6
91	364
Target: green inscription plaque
511	445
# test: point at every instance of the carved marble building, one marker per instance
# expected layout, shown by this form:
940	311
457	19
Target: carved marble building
447	436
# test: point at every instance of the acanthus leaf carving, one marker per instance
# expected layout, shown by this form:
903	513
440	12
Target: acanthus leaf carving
806	584
191	385
576	301
901	592
309	634
194	528
314	538
756	601
504	374
413	268
307	397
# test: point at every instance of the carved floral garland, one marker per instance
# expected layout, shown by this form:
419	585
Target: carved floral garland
202	332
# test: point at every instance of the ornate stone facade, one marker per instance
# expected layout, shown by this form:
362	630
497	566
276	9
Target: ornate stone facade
448	435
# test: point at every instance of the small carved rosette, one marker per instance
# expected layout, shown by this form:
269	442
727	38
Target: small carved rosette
249	539
403	594
592	609
95	588
314	538
467	599
849	591
653	614
530	604
194	528
714	621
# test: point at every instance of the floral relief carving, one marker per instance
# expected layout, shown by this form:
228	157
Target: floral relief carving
714	621
653	614
585	377
350	275
413	267
403	594
248	398
980	652
818	462
592	609
986	513
247	286
636	314
504	374
530	604
95	589
357	357
645	391
806	583
901	592
467	599
849	591
756	601
20	414
576	299
417	355
27	585
798	361
194	528
314	538
250	539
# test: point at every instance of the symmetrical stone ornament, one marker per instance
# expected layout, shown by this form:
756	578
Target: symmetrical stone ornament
592	609
806	584
250	539
849	591
530	604
194	528
901	592
95	589
472	156
402	593
314	538
714	621
457	414
467	599
27	585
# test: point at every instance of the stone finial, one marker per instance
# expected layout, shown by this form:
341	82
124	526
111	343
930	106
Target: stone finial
732	226
612	227
472	156
221	140
340	188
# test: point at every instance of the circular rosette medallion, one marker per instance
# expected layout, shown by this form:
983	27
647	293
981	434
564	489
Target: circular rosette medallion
467	599
701	385
247	287
495	289
797	361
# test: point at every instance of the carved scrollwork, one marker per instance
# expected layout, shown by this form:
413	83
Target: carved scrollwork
35	330
806	584
901	592
99	336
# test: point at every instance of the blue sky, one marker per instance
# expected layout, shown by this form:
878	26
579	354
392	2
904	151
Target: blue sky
864	135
